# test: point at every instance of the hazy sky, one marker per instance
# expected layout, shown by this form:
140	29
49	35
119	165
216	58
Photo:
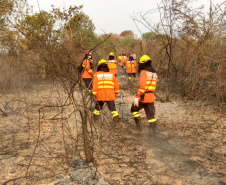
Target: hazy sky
111	16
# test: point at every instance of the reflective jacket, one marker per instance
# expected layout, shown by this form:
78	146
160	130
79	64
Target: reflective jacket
87	72
147	86
112	65
131	66
105	86
124	59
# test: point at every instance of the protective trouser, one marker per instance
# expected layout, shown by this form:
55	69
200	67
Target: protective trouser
88	82
111	105
149	109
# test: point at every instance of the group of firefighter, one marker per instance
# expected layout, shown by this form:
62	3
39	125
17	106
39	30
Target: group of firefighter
105	87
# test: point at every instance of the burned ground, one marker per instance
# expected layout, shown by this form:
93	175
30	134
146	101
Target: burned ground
41	141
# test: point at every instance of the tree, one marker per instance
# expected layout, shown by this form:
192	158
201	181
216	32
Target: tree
81	29
6	7
127	33
149	35
128	42
37	29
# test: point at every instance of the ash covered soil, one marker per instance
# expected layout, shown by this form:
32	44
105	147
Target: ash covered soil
41	141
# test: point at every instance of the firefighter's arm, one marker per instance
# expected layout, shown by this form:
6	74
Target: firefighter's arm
116	62
135	63
116	86
142	82
88	68
126	66
95	85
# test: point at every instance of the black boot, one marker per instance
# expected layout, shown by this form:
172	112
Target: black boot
138	123
153	127
115	120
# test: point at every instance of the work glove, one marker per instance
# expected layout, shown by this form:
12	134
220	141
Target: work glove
136	102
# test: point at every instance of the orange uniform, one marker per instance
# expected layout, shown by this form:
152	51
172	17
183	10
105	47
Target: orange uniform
131	66
105	86
147	86
112	65
124	60
145	96
87	72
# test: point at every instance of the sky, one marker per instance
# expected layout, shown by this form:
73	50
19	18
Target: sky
112	16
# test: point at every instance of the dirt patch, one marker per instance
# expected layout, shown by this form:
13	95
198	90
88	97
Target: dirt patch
41	142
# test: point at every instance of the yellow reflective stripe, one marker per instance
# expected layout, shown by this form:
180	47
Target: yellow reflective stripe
150	87
96	112
112	65
135	114
83	65
114	113
116	91
105	86
131	66
141	90
152	120
90	70
105	82
151	82
94	92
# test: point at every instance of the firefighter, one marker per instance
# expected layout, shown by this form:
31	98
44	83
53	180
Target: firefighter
105	90
112	63
131	67
124	59
145	96
120	57
87	74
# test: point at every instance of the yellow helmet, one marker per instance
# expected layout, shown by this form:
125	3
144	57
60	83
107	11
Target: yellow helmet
102	61
144	59
112	54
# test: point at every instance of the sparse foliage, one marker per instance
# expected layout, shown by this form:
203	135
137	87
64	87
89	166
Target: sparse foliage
46	111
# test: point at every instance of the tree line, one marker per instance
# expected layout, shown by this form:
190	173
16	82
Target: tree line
187	45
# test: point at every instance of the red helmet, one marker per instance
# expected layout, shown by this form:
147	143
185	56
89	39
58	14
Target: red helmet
88	52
